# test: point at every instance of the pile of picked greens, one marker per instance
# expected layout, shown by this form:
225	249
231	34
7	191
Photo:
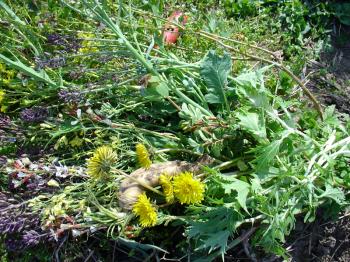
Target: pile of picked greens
91	97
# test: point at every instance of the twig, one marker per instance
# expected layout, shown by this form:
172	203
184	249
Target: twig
90	255
247	249
59	247
173	103
335	251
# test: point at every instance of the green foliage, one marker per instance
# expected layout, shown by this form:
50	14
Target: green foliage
342	12
214	72
213	228
272	157
253	123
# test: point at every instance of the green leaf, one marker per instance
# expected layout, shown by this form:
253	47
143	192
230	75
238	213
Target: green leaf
266	154
214	228
39	76
333	193
156	88
214	71
253	123
11	13
191	113
139	246
242	188
342	11
251	86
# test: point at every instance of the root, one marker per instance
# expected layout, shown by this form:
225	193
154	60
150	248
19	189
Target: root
130	189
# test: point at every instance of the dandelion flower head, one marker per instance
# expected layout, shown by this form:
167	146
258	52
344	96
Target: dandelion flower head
145	211
168	189
188	189
99	165
143	156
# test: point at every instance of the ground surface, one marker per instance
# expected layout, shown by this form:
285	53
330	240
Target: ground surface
330	76
322	241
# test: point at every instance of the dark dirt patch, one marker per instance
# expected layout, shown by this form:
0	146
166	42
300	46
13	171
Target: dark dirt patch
322	240
330	76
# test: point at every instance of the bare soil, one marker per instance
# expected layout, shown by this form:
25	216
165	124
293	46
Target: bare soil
330	76
322	240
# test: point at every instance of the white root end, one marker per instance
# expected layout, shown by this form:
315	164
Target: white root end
130	190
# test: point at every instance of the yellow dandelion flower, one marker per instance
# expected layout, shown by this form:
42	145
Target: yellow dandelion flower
143	156
188	189
168	189
145	211
99	165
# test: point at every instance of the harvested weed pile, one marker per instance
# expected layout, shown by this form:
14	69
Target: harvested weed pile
213	145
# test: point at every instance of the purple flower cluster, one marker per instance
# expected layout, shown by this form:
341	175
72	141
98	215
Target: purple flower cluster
34	115
70	96
32	238
76	74
3	161
55	62
67	42
4	121
10	225
19	227
4	125
9	132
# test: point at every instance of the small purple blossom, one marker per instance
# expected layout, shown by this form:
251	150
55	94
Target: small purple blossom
31	238
10	225
12	244
19	226
67	42
55	39
5	121
34	115
54	62
3	161
76	74
70	96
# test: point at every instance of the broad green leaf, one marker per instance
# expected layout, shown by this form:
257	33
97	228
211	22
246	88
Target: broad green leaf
253	123
214	228
267	154
156	88
214	71
191	113
333	193
342	11
161	90
251	86
242	188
